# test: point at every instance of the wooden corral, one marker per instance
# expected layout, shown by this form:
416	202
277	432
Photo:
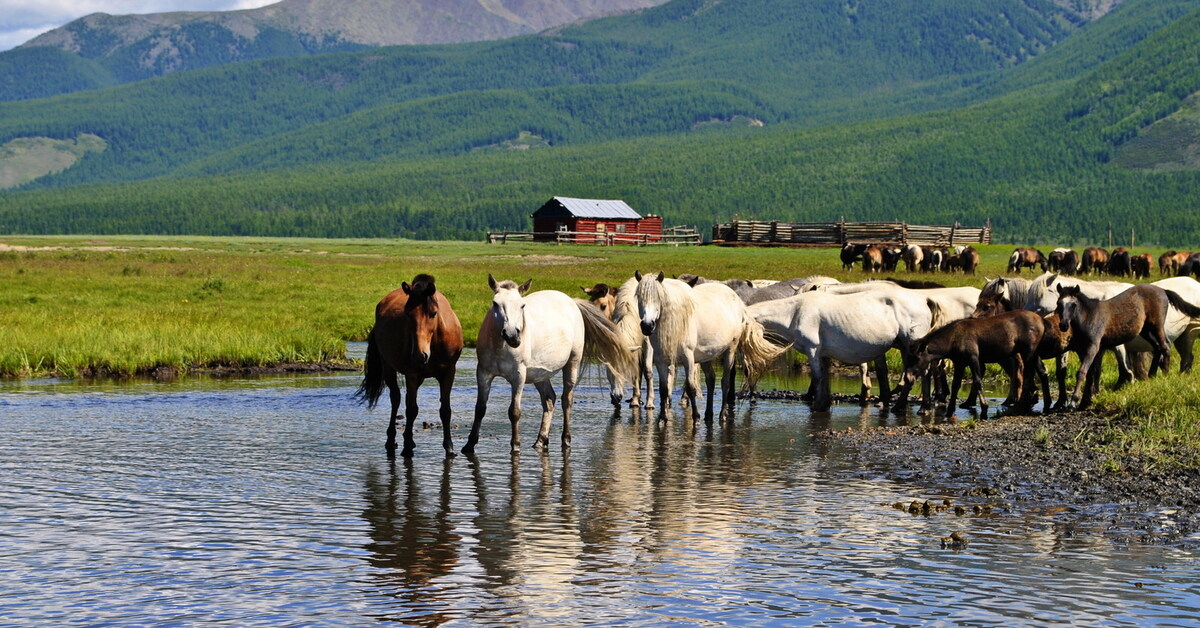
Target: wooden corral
831	234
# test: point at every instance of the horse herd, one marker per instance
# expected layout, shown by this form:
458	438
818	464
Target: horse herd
1119	262
655	324
927	259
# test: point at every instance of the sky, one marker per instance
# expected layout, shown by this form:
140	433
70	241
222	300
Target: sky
22	20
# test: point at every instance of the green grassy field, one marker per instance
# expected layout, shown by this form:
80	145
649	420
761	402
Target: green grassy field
126	305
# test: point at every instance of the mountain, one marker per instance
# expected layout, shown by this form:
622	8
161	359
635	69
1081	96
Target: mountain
125	48
657	108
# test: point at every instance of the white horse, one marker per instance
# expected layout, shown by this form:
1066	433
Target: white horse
952	303
527	338
851	328
689	326
620	305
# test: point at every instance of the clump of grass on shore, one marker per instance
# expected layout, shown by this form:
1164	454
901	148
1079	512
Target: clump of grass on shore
1156	419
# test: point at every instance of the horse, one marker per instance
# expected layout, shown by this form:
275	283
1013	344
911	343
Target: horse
854	328
931	259
1057	262
850	254
744	288
1042	297
416	334
1106	324
689	326
952	303
1095	260
1025	258
1053	346
620	306
891	258
1141	265
1120	263
527	338
872	259
1167	266
912	256
1010	339
968	260
1190	266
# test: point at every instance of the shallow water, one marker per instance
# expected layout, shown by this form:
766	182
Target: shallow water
270	502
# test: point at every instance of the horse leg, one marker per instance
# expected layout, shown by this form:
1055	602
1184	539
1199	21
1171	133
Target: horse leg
647	372
517	382
728	379
710	382
1184	344
483	388
666	383
1060	374
691	385
1124	373
864	374
393	384
822	398
570	379
1018	378
881	376
977	382
1081	376
1157	337
411	383
616	386
445	383
955	384
546	392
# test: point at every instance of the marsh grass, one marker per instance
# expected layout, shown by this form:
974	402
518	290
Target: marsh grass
123	305
1157	419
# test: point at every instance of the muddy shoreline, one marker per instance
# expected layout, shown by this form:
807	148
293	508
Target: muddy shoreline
1037	463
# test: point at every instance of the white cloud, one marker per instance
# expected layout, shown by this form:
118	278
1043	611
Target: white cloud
22	20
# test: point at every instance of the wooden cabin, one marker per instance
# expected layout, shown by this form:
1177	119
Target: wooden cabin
589	221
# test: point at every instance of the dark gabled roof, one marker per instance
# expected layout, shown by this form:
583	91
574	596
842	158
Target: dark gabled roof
562	206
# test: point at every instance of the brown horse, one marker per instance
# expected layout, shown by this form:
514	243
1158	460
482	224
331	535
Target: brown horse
1167	264
1141	265
1120	262
416	334
1095	260
1106	324
968	260
872	259
1054	346
850	254
1025	258
1010	339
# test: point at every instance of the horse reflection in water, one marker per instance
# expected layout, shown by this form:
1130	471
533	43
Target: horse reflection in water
413	541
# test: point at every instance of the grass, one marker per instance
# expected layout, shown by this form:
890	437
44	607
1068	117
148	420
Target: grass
123	305
1156	419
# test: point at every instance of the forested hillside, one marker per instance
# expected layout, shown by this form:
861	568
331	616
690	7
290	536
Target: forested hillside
803	62
1035	158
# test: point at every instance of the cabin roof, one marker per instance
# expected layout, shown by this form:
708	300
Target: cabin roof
562	206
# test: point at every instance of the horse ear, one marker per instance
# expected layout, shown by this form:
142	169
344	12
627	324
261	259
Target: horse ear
637	274
1051	280
407	288
523	288
491	282
662	275
691	282
586	291
602	290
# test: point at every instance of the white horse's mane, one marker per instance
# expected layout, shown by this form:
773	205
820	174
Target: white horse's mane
675	307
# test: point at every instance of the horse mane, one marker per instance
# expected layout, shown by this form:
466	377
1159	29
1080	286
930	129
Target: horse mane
507	284
674	313
915	284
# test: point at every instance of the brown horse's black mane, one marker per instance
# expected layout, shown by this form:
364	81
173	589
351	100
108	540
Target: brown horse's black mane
915	284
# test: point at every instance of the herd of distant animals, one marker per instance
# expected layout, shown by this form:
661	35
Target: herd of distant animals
652	324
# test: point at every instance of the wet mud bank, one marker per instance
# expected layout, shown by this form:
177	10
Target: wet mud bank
1046	463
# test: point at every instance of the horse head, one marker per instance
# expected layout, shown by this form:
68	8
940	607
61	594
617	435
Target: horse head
990	305
422	311
650	300
1068	306
508	308
604	297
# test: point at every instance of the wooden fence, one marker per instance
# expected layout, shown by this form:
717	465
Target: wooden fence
672	236
830	234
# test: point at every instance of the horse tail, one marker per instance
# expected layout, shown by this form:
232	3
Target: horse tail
372	384
937	315
757	352
604	341
1183	306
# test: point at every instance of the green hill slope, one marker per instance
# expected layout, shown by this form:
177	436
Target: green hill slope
804	62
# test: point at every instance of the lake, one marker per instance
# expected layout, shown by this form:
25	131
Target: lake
270	502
